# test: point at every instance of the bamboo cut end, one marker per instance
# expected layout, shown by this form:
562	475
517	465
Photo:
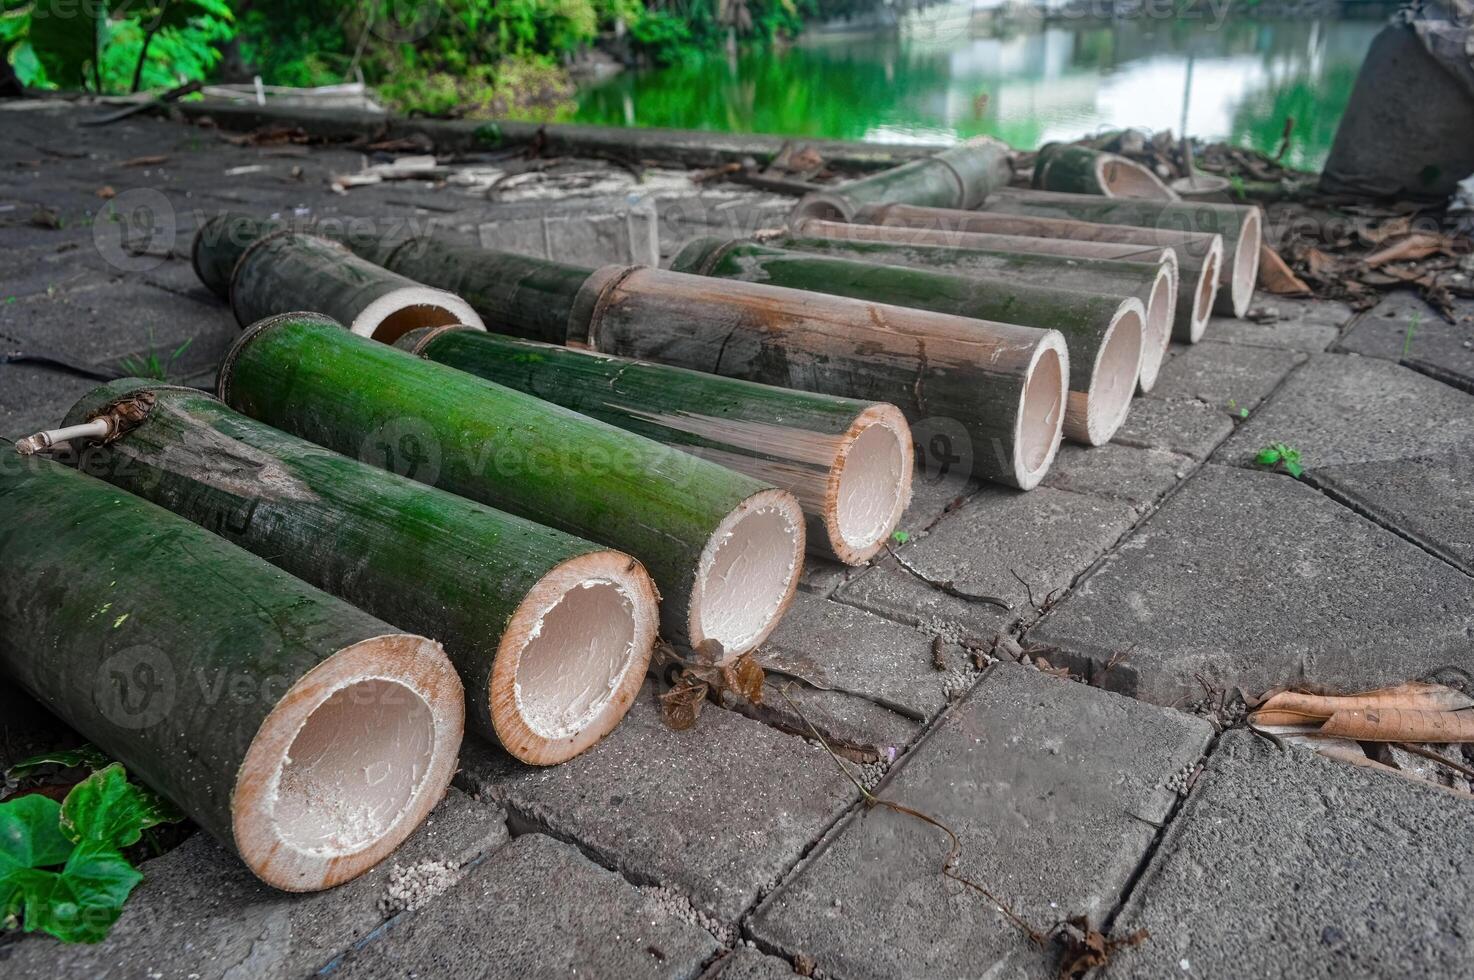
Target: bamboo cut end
823	206
572	659
1156	333
399	311
1122	177
348	763
1094	415
869	485
747	573
1245	271
1041	411
1206	293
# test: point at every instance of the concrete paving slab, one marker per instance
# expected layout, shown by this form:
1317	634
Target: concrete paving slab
1293	865
1405	329
1391	442
1055	791
1309	325
1190	428
1139	477
1252	579
1046	536
200	915
1219	374
718	812
536	908
744	963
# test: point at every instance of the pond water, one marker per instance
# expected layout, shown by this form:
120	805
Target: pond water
936	82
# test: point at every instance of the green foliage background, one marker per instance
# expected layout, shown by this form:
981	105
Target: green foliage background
474	57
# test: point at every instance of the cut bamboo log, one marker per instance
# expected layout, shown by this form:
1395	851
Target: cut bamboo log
550	634
306	735
725	550
286	271
1155	284
1081	170
847	461
222	240
1103	332
959	177
1240	225
1001	387
1199	256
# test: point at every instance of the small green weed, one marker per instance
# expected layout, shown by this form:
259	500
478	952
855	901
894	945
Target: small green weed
1279	454
1413	323
900	537
151	365
1233	408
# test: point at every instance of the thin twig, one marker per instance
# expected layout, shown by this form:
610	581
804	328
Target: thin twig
1430	754
948	586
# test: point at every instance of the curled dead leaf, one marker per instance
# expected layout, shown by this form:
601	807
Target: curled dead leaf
1401	725
1087	949
1416	695
681	705
1275	276
744	676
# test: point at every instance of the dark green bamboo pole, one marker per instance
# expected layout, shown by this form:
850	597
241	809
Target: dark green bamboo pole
725	550
1240	225
550	634
1155	284
1102	331
847	461
990	397
222	240
1199	256
959	177
287	271
308	736
1081	170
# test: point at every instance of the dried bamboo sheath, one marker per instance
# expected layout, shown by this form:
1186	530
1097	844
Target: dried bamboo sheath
551	634
1103	331
1154	283
307	735
1240	226
1081	170
1199	256
848	462
725	550
960	177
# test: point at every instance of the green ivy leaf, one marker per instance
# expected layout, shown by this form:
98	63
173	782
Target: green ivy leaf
79	904
30	835
104	809
86	756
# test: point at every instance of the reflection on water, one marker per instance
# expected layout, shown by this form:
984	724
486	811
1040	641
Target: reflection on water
1026	86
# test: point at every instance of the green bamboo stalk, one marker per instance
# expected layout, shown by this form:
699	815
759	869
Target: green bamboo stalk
309	737
1199	256
286	271
550	634
847	461
224	238
1155	284
1240	225
991	396
1081	170
1103	331
959	177
725	550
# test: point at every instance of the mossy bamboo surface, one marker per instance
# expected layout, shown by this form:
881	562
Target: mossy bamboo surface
413	555
223	239
1085	319
792	439
1001	385
481	440
1239	225
959	177
1081	170
172	649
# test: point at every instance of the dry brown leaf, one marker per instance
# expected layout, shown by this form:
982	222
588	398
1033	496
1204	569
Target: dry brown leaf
1282	716
681	705
106	192
1275	276
1401	725
1410	249
745	677
1087	948
1320	265
1391	228
1415	695
149	161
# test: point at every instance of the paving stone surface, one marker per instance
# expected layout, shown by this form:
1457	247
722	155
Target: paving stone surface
1392	442
749	964
1309	325
1046	537
1223	376
887	671
1293	865
718	812
536	908
1189	428
1139	477
1250	579
199	914
1055	791
1404	328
